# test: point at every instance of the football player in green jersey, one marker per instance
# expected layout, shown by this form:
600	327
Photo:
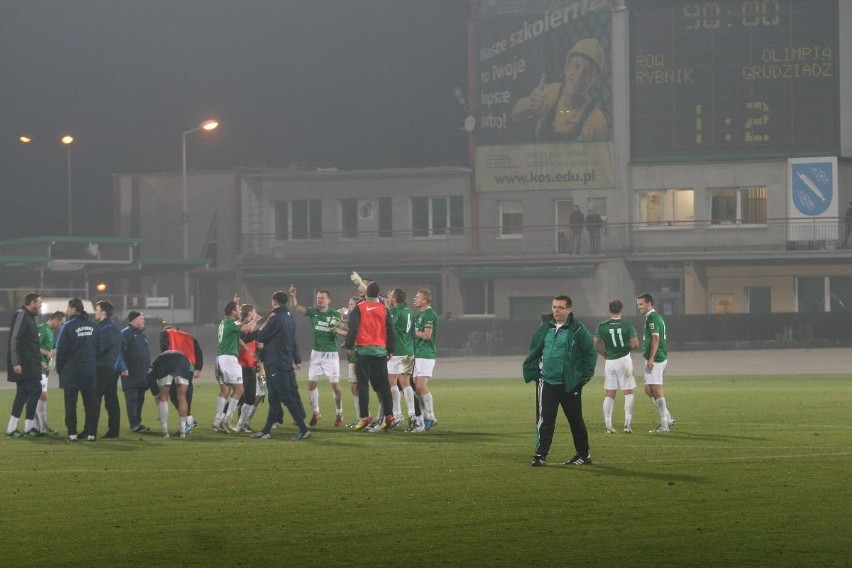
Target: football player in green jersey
47	341
654	350
351	378
325	359
401	364
614	339
226	360
425	330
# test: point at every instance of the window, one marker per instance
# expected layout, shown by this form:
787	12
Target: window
841	293
385	217
349	218
298	219
282	220
564	207
810	294
432	216
511	218
529	308
477	295
738	205
368	216
759	300
668	206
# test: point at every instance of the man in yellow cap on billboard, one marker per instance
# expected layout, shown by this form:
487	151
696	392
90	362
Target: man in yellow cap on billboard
564	111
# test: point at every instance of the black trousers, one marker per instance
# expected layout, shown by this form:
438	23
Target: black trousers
550	399
91	406
108	393
283	389
27	392
134	399
373	371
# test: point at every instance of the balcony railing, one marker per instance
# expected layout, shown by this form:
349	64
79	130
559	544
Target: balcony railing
774	235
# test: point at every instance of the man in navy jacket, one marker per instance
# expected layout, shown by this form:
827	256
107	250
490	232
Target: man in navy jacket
108	362
75	363
137	358
280	355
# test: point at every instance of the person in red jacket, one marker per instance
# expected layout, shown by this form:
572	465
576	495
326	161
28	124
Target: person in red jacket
372	338
247	357
175	339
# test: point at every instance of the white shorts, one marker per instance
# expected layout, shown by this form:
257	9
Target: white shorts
423	367
43	383
655	376
401	365
324	363
618	374
229	366
169	379
351	377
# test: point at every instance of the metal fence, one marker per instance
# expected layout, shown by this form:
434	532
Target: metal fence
547	240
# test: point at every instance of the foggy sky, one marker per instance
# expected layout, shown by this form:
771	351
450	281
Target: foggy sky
348	83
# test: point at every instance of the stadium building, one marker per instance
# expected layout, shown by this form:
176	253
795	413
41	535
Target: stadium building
708	140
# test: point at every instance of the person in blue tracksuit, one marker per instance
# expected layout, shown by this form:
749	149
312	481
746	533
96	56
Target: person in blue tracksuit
109	363
137	358
76	365
280	355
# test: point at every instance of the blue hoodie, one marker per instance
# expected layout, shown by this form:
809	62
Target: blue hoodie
75	354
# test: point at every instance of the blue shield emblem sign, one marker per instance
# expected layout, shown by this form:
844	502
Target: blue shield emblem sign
812	187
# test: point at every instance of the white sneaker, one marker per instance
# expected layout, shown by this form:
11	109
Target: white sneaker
628	429
165	433
658	430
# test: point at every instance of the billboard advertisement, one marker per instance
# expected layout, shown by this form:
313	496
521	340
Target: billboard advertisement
545	95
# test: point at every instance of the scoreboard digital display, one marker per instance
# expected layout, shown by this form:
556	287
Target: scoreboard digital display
733	79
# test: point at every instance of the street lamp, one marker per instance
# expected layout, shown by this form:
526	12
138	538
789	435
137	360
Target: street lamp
67	140
206	125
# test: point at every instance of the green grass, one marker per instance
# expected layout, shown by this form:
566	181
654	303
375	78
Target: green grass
757	473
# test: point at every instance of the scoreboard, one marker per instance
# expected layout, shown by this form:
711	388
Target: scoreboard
733	78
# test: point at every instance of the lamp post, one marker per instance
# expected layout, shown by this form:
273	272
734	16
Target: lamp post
68	140
206	125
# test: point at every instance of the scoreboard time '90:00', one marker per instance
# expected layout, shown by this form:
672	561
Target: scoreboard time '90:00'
733	78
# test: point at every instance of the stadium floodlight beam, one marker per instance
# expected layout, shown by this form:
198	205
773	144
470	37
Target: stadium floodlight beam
207	125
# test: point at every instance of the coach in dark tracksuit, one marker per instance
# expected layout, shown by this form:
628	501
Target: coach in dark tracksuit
137	358
107	362
75	363
23	362
280	353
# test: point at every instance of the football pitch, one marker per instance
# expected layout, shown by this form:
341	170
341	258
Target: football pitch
757	472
